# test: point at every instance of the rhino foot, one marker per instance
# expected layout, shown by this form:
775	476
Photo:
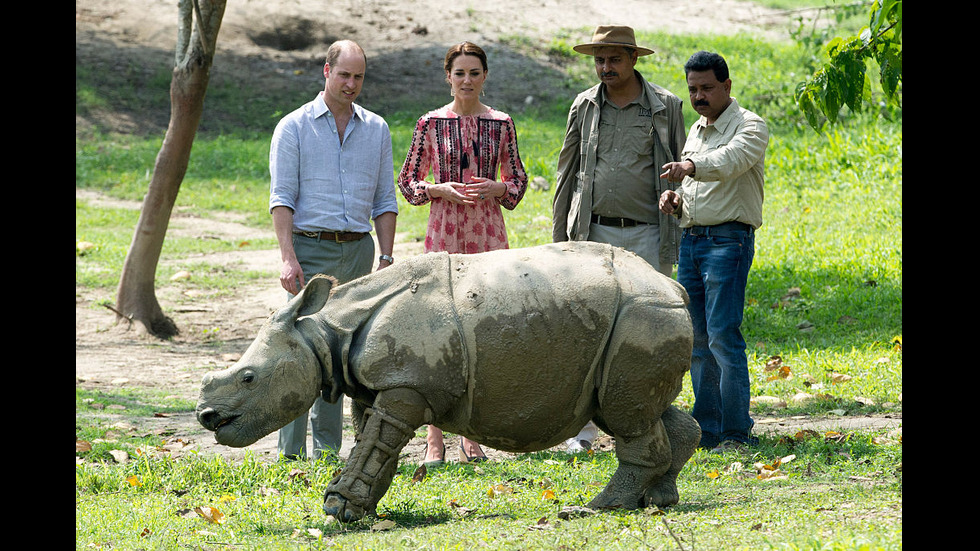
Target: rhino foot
341	508
662	493
626	488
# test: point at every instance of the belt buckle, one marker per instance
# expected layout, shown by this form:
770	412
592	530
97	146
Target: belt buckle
336	237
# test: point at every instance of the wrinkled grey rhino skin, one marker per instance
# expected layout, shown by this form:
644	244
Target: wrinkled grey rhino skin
515	349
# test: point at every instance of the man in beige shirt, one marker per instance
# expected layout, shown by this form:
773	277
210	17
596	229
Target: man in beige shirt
719	205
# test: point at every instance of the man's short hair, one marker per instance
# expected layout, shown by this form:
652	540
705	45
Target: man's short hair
338	47
707	61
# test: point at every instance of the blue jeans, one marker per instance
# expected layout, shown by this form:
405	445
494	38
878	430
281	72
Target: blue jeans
714	268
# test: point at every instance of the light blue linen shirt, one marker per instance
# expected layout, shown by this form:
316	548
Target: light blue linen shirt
329	186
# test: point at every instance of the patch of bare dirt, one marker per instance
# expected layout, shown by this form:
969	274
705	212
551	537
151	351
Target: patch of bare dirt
279	46
281	43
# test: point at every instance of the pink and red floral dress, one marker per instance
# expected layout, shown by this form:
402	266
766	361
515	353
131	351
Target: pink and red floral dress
455	148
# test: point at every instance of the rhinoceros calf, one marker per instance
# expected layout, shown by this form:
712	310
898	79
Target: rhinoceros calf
516	349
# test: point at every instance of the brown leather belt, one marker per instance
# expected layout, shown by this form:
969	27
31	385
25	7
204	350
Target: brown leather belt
338	236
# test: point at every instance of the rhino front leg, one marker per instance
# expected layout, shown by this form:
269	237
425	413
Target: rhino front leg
386	428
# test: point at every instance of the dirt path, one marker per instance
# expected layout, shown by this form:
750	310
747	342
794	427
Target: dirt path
283	41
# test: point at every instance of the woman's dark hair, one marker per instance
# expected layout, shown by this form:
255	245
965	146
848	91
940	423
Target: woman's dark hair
465	48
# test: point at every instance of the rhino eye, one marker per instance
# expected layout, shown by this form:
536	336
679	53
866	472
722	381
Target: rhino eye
248	377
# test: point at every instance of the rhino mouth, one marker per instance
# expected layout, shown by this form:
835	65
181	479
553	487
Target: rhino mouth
226	421
214	421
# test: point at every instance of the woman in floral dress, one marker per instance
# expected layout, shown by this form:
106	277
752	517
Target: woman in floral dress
467	146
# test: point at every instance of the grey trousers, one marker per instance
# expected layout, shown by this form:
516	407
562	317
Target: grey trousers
644	240
344	261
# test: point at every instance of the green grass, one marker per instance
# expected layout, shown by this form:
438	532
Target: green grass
843	493
833	220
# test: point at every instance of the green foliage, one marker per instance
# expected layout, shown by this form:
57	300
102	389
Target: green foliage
843	80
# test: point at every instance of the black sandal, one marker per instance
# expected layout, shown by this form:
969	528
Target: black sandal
463	458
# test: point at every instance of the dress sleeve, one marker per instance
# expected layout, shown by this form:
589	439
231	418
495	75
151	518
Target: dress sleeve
411	179
511	168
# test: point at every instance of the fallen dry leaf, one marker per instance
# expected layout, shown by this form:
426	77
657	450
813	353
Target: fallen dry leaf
419	474
211	514
770	401
383	525
459	509
573	511
499	489
267	491
541	524
806	433
772	472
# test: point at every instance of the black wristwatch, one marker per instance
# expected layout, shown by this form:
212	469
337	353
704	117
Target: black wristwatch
389	258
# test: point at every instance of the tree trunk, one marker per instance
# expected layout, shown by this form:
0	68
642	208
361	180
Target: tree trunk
136	300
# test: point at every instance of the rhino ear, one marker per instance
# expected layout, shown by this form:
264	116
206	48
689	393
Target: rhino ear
315	295
308	301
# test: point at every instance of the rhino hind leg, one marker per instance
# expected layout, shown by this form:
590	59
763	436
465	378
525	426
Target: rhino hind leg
384	431
642	461
684	433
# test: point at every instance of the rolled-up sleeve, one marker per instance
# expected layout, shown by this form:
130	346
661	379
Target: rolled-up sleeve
384	192
284	166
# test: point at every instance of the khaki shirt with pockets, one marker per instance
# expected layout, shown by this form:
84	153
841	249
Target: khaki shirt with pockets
572	206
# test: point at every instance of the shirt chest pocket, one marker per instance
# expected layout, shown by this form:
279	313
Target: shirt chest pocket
629	139
695	146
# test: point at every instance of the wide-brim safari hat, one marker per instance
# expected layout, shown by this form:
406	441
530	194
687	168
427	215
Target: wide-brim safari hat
612	35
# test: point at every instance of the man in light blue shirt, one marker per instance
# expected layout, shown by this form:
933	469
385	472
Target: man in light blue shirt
331	176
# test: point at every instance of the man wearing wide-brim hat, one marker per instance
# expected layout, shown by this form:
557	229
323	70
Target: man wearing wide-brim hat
619	134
